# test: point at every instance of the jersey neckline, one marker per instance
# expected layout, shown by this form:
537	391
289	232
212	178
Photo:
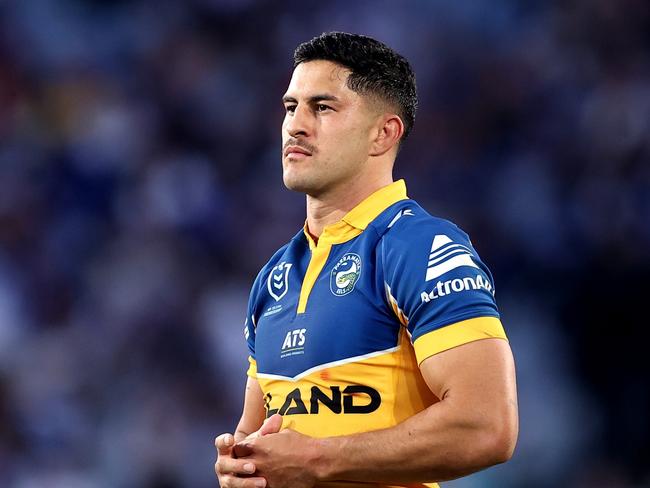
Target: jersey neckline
358	219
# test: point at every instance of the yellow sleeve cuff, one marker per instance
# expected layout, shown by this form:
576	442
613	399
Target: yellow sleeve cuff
252	368
457	334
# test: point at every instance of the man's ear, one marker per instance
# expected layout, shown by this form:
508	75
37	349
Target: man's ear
389	131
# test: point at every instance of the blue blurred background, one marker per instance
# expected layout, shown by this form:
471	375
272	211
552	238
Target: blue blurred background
141	191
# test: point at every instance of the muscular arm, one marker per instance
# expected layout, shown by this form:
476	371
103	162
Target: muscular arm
473	427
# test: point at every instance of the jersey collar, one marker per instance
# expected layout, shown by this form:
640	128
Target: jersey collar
358	219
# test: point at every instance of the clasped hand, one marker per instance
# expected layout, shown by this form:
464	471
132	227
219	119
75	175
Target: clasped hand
270	457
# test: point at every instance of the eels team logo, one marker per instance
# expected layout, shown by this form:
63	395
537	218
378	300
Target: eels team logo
345	274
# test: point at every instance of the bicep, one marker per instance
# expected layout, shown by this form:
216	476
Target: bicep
253	413
477	377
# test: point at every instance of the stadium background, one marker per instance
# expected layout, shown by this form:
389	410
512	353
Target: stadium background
140	192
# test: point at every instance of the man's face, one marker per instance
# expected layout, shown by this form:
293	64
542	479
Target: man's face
327	129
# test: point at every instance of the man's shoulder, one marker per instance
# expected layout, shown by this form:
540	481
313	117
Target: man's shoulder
406	222
276	259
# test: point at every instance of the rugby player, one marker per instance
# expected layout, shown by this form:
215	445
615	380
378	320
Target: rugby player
377	355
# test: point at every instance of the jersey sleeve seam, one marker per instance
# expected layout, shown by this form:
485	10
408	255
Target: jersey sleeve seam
433	326
383	278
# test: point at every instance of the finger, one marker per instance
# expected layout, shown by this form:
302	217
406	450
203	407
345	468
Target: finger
272	425
242	449
234	482
224	443
230	466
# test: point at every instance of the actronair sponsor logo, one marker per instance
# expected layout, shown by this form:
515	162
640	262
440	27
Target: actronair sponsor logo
447	255
457	285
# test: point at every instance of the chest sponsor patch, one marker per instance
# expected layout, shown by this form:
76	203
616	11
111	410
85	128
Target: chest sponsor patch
345	274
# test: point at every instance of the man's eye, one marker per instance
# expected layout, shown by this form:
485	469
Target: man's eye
321	108
290	108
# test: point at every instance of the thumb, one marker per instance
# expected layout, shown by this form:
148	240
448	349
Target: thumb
272	425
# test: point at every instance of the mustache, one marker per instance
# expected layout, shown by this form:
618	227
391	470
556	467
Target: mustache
296	142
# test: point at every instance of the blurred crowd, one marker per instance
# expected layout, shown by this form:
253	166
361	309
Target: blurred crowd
140	193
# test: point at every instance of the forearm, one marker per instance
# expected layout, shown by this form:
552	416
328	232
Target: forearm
440	443
253	414
246	427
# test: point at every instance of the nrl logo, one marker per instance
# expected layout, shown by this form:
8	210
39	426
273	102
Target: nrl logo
345	274
278	282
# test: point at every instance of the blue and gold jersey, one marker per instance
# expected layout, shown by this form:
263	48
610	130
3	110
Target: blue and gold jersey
336	330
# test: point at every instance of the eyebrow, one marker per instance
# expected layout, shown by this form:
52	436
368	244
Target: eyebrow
313	99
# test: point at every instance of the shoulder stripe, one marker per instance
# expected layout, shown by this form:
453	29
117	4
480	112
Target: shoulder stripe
446	266
447	248
401	214
447	255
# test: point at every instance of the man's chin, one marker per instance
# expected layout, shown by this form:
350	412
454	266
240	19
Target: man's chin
298	185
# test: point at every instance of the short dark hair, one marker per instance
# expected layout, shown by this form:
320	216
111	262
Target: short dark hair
376	69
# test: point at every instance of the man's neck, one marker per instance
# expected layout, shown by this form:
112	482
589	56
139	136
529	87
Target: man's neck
331	207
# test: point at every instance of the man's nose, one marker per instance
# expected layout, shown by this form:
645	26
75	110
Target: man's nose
298	123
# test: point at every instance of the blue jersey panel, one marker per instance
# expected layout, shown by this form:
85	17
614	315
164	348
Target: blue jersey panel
343	319
434	273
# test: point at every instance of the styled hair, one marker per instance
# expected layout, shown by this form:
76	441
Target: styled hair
376	70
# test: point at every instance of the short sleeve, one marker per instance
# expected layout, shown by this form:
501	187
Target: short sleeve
438	286
249	335
250	325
